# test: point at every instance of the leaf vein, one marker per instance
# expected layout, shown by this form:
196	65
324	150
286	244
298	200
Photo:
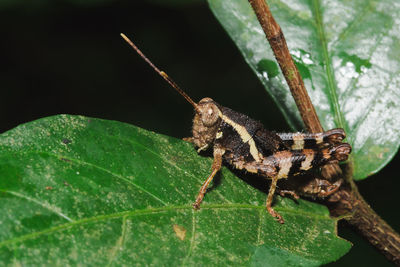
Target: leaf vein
167	161
354	82
92	165
191	246
356	21
339	119
261	215
33	200
153	211
120	242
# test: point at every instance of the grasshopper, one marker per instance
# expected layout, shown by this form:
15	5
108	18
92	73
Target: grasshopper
246	145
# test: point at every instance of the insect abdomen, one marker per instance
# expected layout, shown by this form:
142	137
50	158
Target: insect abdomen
292	162
298	141
289	163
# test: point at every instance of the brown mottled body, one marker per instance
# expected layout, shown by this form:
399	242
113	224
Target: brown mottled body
286	163
246	145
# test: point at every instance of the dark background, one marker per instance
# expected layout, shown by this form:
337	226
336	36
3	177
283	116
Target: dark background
67	57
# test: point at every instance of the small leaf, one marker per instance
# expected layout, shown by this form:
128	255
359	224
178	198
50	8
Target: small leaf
348	53
82	191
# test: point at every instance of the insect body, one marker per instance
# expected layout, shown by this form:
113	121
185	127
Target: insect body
246	145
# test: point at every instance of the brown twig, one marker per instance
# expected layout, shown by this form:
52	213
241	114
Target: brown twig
278	44
347	200
361	216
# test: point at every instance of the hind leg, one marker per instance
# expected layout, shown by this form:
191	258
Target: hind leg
270	198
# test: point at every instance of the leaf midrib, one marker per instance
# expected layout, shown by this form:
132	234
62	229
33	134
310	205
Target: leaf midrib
146	211
332	86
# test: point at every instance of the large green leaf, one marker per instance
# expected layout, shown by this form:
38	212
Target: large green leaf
75	190
348	53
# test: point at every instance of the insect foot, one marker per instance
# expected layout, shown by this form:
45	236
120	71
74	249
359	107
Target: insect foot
275	215
196	205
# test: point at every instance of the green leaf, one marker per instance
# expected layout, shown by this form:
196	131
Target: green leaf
76	190
348	53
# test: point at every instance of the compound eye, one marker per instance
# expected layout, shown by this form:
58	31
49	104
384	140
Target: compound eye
209	114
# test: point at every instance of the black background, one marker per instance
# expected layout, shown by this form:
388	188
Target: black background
67	57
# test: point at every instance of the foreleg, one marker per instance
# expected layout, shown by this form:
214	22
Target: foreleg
216	166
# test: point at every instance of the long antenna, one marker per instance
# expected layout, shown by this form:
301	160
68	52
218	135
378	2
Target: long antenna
162	74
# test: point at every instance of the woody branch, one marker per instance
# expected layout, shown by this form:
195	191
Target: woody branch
347	200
